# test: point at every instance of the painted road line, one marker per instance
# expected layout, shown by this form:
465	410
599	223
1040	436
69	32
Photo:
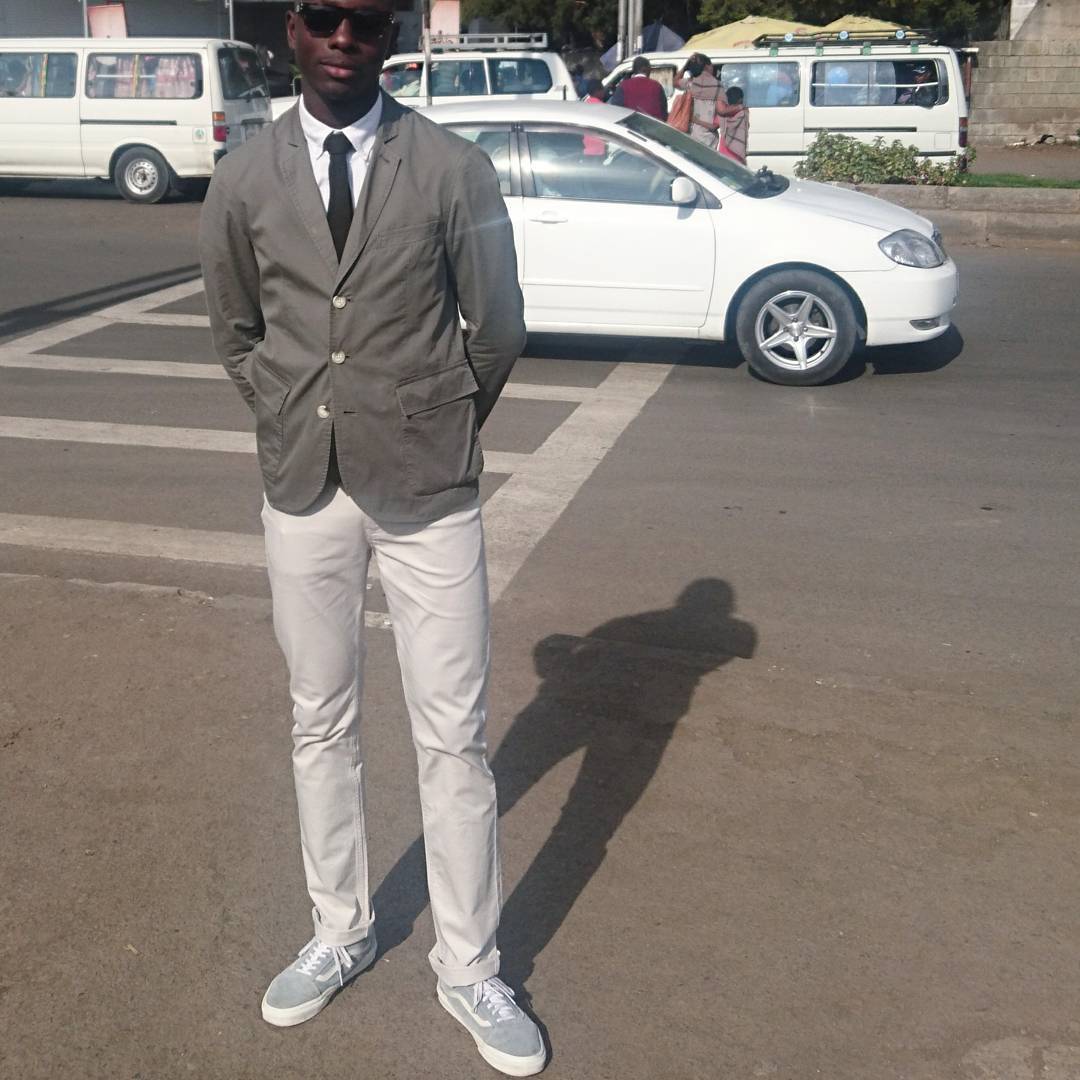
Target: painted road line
145	435
520	513
96	365
153	318
170	438
178	369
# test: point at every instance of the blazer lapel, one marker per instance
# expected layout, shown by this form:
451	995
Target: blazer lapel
302	187
382	171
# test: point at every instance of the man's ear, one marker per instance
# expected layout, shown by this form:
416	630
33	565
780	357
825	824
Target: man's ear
290	29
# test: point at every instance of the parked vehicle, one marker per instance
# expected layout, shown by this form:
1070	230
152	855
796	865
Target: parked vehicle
626	226
147	113
496	73
906	90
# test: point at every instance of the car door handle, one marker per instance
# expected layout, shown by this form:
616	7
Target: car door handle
549	217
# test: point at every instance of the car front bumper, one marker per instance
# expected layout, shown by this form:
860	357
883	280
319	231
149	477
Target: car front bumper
906	304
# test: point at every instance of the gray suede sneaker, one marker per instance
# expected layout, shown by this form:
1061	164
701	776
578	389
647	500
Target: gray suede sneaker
506	1038
306	986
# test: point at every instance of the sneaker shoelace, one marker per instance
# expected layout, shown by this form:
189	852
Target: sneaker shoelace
499	998
318	952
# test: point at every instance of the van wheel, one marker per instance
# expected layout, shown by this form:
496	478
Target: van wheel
142	175
796	327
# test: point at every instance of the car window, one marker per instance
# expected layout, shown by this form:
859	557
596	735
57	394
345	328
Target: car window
36	75
879	82
766	85
495	142
523	76
242	75
402	80
591	165
144	75
457	78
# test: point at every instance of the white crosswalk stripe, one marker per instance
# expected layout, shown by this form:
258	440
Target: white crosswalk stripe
517	516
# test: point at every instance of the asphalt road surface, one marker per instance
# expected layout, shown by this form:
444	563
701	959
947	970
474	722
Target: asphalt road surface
783	713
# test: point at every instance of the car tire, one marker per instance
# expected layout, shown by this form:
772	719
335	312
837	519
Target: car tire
796	327
142	175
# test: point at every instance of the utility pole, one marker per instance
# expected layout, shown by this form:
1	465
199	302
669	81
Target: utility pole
620	44
427	47
85	19
232	20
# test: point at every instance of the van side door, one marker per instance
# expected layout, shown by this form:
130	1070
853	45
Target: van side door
772	92
39	113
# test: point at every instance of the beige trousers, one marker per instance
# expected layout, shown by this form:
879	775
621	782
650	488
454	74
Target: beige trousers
435	579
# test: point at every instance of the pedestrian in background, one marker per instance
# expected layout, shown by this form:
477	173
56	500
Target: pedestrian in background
733	125
697	80
641	92
342	251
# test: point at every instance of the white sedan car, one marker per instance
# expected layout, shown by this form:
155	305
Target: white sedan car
624	225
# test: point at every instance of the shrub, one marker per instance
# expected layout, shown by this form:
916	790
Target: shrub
842	158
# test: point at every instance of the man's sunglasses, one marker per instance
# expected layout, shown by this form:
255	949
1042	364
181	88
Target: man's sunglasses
322	20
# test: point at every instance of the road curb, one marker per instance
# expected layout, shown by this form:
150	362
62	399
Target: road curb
992	217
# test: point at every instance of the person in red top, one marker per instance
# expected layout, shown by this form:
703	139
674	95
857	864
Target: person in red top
640	92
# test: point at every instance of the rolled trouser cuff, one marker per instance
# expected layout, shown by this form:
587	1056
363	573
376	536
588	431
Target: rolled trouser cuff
469	974
338	937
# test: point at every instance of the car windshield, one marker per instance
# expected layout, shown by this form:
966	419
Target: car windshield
723	168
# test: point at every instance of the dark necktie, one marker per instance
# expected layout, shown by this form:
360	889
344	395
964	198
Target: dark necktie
339	212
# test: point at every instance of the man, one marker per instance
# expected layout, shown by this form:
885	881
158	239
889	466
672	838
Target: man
922	91
641	92
341	251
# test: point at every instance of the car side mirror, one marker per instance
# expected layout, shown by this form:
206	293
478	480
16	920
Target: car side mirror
684	192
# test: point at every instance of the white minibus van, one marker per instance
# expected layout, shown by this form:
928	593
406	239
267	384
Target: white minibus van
147	113
905	90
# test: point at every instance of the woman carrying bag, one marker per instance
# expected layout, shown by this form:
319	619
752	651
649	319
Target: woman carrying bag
701	90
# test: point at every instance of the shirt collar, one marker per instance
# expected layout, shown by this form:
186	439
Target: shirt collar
358	133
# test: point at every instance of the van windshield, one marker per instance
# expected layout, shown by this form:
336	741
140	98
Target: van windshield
723	168
242	76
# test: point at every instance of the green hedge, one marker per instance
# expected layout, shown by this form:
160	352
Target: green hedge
842	158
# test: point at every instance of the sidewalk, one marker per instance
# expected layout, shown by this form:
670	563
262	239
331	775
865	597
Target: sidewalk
1057	161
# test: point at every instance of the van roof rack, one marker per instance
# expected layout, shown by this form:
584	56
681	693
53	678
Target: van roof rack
864	38
487	42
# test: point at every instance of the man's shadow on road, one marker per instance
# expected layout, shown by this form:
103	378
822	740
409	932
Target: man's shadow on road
618	693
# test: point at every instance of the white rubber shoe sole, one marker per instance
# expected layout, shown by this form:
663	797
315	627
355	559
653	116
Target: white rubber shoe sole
298	1014
505	1063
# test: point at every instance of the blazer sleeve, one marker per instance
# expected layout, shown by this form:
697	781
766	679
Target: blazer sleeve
231	274
480	247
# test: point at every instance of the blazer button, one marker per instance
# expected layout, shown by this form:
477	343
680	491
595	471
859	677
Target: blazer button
324	412
338	357
339	302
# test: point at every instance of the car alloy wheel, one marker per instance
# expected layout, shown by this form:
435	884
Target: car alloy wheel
797	327
796	330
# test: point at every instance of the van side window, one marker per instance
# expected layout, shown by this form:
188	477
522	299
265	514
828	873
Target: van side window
519	76
457	78
402	80
37	75
765	85
144	75
879	82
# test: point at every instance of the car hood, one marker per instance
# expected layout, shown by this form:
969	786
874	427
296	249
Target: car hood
854	206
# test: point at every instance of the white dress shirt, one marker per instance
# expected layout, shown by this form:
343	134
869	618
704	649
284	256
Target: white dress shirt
361	134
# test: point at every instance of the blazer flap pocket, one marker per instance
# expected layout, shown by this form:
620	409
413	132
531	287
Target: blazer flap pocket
408	234
270	388
436	388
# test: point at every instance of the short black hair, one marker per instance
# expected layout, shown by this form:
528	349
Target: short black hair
595	88
641	64
734	95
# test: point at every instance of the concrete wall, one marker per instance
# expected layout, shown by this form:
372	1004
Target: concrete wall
1023	90
1051	20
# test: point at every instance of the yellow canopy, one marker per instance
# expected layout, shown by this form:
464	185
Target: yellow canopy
741	34
862	22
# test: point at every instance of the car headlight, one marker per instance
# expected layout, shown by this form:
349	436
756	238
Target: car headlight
910	248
